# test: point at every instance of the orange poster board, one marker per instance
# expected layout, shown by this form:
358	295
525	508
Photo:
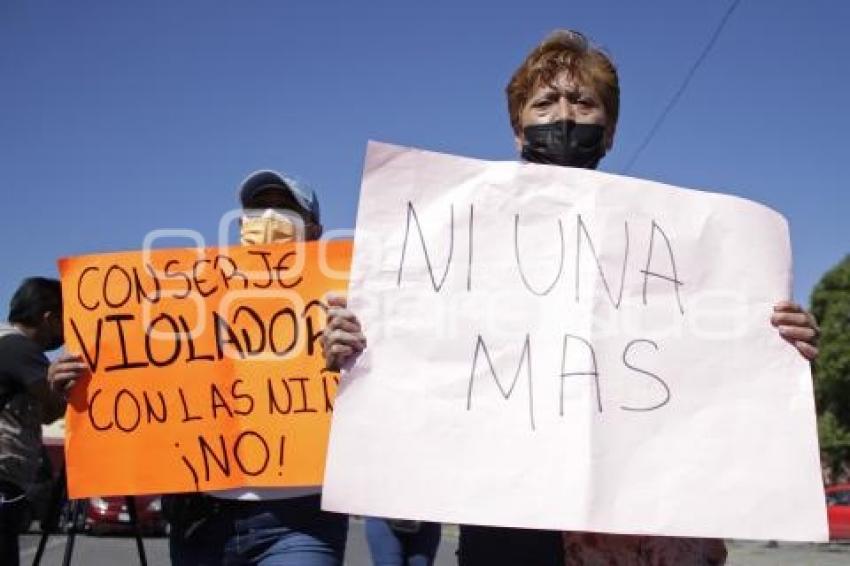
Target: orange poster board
206	367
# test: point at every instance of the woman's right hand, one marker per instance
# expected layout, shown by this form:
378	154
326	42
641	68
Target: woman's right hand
343	339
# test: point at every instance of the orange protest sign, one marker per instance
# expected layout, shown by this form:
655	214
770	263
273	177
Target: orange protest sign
206	367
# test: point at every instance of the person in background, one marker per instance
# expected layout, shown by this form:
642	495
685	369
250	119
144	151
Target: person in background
563	105
26	402
398	542
262	526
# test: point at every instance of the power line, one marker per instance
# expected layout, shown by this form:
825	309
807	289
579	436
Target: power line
663	116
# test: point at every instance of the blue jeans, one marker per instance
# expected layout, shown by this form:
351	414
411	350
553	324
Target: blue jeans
283	532
391	547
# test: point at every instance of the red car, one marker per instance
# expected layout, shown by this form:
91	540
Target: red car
106	514
110	514
838	511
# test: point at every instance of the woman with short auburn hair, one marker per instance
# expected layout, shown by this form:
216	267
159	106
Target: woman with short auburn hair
563	104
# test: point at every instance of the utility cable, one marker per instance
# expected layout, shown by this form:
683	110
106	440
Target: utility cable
675	98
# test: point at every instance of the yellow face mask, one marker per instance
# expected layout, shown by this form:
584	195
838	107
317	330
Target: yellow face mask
267	228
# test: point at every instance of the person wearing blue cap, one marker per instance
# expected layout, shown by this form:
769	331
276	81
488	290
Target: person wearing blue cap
262	526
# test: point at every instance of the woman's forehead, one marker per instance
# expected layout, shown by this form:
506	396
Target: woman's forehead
564	80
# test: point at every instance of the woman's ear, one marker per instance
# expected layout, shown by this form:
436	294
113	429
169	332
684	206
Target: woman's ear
518	141
609	138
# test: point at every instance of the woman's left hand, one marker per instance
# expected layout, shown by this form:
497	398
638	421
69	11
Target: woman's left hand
798	327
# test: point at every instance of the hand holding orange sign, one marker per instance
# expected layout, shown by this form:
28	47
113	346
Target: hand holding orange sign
206	369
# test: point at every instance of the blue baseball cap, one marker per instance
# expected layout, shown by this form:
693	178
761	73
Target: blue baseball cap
266	179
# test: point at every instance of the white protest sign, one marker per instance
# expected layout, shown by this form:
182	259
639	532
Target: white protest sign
566	349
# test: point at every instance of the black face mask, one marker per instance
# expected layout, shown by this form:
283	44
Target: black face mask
564	143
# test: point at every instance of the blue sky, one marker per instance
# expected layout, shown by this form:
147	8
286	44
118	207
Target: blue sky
118	118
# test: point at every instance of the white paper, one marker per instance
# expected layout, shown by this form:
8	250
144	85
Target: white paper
700	421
